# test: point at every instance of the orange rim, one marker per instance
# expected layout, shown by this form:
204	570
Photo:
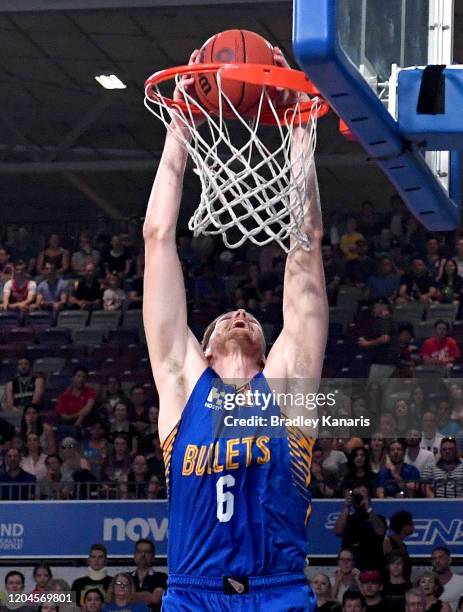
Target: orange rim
256	74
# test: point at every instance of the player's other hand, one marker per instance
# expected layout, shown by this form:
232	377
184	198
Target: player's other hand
285	96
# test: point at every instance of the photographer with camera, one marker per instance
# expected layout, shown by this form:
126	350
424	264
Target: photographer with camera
362	529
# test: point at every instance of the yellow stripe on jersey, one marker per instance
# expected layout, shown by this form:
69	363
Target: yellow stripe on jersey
300	450
167	446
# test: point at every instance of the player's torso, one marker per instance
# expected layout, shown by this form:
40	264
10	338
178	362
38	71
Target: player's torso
237	492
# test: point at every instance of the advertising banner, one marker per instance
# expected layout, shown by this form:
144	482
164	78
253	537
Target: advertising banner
68	529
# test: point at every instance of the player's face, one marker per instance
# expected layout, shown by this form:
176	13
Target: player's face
239	326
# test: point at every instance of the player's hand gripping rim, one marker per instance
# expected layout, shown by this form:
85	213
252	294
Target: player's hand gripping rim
187	84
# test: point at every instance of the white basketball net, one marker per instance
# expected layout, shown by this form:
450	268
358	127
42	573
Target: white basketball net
248	192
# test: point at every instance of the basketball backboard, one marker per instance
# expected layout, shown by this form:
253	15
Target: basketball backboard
353	50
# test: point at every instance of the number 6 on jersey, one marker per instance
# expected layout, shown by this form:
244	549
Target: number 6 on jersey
225	499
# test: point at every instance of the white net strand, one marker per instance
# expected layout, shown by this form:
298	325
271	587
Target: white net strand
248	192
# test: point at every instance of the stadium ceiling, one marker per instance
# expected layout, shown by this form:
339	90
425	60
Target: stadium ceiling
60	129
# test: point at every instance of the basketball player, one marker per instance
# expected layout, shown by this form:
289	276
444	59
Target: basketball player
238	505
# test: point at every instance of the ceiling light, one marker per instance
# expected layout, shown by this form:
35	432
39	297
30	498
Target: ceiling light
110	81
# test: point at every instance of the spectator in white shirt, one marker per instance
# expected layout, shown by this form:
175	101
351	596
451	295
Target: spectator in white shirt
19	292
333	460
459	256
34	459
415	455
86	254
452	583
113	297
430	437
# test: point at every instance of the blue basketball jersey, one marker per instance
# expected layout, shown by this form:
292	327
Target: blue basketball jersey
238	497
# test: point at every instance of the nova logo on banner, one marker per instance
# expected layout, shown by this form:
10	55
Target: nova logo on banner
119	529
11	536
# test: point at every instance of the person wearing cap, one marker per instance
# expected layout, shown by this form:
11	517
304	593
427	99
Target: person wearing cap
371	586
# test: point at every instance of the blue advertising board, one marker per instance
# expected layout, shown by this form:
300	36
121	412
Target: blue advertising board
68	529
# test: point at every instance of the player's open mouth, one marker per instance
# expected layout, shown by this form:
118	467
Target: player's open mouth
239	325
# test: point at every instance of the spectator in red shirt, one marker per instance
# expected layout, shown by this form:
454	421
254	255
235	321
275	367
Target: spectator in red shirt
77	402
440	349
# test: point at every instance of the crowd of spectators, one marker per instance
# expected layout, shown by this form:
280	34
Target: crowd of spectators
380	580
95	416
373	570
139	590
395	297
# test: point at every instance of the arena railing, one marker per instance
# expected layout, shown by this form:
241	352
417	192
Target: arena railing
449	488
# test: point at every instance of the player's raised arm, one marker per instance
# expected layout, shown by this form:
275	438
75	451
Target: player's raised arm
299	350
170	343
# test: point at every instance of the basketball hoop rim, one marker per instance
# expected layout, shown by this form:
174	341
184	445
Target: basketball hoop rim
266	75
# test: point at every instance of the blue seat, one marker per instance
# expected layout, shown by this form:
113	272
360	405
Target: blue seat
58	382
55	336
42	319
7	370
10	319
35	351
20	335
123	336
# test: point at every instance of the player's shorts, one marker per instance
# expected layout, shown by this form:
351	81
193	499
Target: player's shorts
278	593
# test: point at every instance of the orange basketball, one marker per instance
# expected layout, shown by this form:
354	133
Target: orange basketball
232	46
